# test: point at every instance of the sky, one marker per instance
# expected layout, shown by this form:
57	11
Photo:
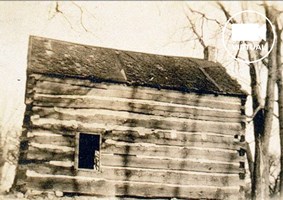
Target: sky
149	26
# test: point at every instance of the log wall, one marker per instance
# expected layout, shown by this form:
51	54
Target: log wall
155	143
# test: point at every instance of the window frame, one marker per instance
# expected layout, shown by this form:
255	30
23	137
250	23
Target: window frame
77	146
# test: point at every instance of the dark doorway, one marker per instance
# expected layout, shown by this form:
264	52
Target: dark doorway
89	147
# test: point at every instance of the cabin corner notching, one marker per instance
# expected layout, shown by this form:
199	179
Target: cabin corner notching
107	122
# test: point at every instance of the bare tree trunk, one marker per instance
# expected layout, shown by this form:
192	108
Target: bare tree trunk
257	178
269	105
269	102
263	121
279	83
280	105
258	121
250	160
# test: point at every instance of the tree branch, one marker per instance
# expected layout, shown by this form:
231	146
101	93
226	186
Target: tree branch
81	16
205	17
226	13
199	37
255	113
58	11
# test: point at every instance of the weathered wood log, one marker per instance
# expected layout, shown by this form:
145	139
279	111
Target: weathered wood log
169	110
201	140
142	149
43	132
125	188
167	163
54	139
48	154
140	175
137	120
156	94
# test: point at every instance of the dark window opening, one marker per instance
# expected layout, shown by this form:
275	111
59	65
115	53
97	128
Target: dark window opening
89	147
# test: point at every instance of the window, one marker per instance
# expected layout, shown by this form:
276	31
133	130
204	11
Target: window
88	151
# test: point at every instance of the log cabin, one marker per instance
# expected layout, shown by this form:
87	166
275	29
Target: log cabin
114	123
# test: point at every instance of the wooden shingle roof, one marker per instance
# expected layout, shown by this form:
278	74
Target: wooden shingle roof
60	58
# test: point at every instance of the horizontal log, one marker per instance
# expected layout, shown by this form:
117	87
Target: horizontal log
142	149
168	177
134	106
43	81
201	140
56	139
91	100
124	188
170	164
133	120
48	154
141	175
46	167
43	132
142	135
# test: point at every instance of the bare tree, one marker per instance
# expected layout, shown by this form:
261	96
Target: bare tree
57	9
263	108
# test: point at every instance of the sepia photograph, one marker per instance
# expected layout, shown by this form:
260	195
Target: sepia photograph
137	100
